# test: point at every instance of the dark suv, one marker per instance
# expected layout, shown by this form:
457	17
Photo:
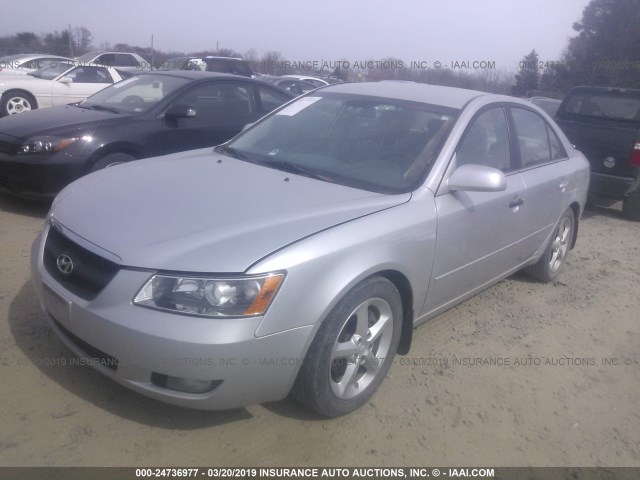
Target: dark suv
604	123
237	66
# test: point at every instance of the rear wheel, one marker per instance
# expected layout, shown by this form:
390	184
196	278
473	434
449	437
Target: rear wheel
555	255
631	206
14	102
111	160
353	349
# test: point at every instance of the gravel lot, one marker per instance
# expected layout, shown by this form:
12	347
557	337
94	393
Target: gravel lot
522	374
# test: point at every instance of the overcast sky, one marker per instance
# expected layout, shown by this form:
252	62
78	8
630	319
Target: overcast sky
326	30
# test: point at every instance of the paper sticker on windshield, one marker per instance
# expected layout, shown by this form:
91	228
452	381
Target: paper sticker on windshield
125	82
298	106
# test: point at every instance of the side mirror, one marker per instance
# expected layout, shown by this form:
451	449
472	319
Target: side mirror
66	80
180	110
247	126
477	178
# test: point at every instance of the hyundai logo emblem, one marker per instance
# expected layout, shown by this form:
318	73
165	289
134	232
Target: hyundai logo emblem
65	264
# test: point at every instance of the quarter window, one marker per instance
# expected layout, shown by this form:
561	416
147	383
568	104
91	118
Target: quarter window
486	141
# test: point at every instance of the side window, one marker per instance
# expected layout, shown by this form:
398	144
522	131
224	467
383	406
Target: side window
486	141
271	99
108	59
217	103
125	60
89	75
533	137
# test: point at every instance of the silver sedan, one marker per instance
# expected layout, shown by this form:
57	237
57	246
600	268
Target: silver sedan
299	256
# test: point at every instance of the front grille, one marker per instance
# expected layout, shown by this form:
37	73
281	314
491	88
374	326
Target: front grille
98	356
90	273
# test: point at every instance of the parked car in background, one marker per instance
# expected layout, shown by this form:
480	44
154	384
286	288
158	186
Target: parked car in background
146	115
318	82
549	105
297	87
27	63
604	124
300	255
236	66
54	85
124	61
184	63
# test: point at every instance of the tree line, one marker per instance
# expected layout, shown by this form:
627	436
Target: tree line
604	51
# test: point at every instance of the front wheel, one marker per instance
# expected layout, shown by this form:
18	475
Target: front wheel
353	349
555	255
111	160
14	102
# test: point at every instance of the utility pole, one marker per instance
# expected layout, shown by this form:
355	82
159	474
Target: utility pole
152	58
70	43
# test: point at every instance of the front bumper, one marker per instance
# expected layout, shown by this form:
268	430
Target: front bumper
136	346
38	177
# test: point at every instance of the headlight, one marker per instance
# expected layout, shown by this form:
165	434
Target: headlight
48	144
210	297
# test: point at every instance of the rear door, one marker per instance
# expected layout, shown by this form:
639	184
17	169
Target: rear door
547	172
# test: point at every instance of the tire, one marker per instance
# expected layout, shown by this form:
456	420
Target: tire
111	160
15	101
353	349
548	268
631	207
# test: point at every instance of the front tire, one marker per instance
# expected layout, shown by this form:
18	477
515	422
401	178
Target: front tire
353	349
14	102
111	160
555	255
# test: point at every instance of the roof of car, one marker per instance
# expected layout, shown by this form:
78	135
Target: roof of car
193	74
401	90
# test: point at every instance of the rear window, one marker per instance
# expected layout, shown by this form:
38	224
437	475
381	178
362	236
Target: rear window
607	105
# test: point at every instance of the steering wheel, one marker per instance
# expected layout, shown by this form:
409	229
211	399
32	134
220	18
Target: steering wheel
133	100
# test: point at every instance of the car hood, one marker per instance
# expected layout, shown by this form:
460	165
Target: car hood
200	211
64	119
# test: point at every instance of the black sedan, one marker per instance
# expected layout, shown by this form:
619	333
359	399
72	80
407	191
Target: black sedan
147	115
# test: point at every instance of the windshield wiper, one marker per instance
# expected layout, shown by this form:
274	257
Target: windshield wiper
295	168
100	107
104	108
230	151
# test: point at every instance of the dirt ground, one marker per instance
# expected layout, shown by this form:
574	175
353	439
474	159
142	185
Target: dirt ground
522	374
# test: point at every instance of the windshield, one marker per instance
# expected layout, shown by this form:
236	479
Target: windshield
373	143
52	71
137	94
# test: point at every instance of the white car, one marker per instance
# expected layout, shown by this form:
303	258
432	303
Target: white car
48	87
318	82
27	63
124	61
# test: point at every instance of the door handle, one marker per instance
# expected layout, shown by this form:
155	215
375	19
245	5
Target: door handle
516	202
